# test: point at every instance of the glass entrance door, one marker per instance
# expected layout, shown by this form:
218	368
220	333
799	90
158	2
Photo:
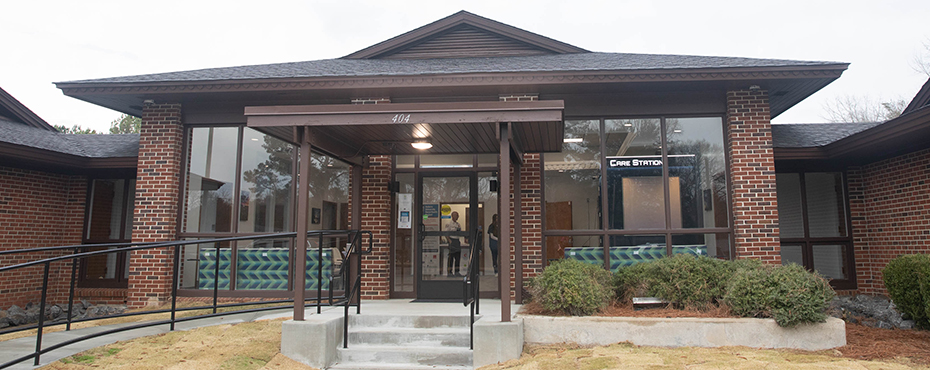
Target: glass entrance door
447	221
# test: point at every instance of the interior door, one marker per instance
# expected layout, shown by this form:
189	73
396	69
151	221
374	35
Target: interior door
447	218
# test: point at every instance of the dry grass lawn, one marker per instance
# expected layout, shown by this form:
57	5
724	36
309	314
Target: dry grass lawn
628	356
252	345
255	345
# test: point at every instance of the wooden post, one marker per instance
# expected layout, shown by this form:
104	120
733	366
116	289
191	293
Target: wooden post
504	209
303	198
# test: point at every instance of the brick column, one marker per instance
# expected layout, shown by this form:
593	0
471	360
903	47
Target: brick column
530	186
376	213
752	175
156	209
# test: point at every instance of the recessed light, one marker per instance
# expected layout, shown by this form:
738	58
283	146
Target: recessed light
572	140
628	124
677	131
254	139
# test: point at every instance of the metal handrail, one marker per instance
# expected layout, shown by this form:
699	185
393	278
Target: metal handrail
345	299
471	284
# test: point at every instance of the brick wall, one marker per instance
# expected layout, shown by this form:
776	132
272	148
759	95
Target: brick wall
752	175
376	213
38	209
890	210
531	201
157	192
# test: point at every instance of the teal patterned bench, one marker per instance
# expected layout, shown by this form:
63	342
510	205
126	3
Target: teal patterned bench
260	269
626	256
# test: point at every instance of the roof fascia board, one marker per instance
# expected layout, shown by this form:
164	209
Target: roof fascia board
62	160
799	153
464	79
462	17
902	126
22	112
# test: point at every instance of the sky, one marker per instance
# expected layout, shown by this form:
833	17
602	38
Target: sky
55	41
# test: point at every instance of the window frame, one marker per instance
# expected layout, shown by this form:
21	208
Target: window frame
121	279
605	232
807	243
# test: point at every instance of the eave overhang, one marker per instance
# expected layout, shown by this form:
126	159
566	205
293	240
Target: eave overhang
903	134
787	85
34	158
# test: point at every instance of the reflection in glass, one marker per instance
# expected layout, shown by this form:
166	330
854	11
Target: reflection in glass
447	161
826	212
698	161
329	193
267	185
830	261
572	179
790	218
635	194
792	254
711	245
211	176
490	254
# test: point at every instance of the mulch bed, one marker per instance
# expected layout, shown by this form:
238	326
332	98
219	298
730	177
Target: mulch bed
862	342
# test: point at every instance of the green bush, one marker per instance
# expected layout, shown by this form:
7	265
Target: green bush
903	278
683	280
573	287
789	294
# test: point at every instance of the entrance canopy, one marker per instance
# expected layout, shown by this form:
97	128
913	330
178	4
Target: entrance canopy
460	127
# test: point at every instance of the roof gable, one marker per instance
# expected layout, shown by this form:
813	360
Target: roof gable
464	35
13	109
920	100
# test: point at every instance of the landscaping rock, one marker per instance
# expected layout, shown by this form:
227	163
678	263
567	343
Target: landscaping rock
872	311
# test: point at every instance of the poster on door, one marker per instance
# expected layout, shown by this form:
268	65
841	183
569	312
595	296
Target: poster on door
431	217
404	206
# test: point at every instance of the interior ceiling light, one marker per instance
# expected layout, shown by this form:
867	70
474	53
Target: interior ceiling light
572	140
628	124
421	145
677	131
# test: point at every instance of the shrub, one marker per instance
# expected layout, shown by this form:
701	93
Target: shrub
789	294
572	287
683	280
903	276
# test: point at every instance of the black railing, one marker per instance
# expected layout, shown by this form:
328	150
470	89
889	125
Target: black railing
349	297
471	286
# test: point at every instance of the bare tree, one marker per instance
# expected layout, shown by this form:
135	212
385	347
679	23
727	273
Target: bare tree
856	108
921	61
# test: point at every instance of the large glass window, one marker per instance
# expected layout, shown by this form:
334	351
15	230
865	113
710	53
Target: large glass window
211	179
658	177
813	225
266	185
242	181
572	179
636	197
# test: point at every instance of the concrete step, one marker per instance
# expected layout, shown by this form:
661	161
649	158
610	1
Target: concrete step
417	337
380	366
406	355
395	321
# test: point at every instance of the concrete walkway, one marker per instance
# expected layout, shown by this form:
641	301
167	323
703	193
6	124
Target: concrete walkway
15	348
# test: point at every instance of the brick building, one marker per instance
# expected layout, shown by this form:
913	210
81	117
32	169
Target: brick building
608	158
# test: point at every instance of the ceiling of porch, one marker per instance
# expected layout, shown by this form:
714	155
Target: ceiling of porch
463	127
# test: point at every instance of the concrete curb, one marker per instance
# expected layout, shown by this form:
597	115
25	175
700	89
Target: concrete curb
683	332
